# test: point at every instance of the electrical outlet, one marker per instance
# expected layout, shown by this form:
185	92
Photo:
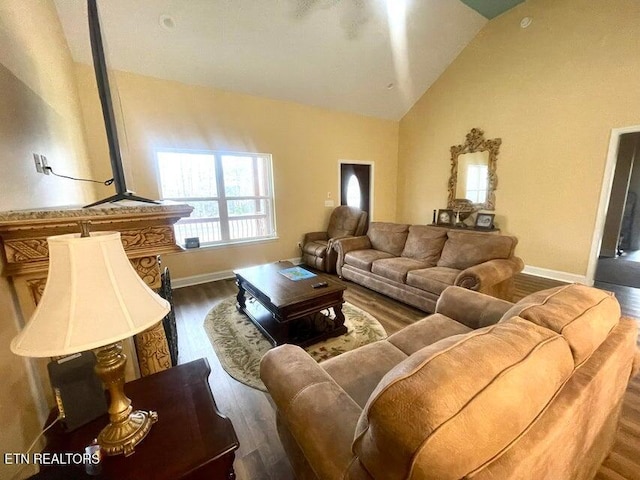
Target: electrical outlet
45	164
38	161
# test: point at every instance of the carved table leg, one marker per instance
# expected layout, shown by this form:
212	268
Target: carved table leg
241	300
337	309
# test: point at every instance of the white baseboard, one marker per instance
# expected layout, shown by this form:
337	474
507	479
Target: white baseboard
556	275
213	276
198	279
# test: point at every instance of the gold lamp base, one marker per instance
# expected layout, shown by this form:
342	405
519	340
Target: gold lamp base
127	428
117	438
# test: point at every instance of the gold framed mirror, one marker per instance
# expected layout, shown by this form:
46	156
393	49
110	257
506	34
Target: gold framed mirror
473	171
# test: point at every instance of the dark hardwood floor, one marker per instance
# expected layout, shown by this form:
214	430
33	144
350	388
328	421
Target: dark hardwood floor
261	456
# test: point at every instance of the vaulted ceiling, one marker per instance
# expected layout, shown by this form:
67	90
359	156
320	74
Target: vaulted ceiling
371	57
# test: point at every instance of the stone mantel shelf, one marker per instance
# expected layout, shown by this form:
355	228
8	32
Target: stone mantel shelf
146	230
125	209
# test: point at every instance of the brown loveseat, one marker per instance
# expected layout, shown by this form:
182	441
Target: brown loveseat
415	263
482	389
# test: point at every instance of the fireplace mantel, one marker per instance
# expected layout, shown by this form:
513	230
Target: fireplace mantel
146	231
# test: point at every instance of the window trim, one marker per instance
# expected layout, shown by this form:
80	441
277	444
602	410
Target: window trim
221	198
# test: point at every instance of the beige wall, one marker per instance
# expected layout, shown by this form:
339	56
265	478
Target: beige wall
552	92
39	112
21	414
306	144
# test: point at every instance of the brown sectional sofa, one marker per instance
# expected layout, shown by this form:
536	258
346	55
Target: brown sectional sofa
481	389
415	263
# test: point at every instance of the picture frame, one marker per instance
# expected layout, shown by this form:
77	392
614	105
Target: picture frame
485	221
445	217
192	242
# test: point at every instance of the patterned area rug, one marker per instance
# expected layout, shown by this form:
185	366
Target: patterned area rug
240	345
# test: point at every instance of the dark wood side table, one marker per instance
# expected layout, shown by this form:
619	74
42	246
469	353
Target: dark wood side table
191	439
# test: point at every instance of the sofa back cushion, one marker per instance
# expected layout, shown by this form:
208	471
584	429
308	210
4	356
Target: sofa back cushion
464	249
583	315
346	221
425	243
388	237
455	405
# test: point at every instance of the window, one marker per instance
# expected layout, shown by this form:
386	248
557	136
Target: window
231	194
354	199
477	182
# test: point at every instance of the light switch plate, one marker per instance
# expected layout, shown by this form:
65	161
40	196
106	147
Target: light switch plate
328	203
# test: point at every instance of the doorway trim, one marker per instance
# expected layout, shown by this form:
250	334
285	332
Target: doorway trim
605	194
371	183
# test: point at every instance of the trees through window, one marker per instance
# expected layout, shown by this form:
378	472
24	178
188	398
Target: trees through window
231	194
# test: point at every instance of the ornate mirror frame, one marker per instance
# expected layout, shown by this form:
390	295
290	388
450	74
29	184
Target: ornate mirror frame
476	142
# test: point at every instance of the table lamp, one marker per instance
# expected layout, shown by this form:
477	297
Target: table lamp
93	299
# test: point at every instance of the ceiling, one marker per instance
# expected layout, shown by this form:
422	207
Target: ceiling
370	57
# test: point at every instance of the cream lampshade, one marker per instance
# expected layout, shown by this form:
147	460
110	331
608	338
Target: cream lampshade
94	298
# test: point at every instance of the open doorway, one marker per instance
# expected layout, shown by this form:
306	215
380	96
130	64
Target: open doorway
356	185
619	256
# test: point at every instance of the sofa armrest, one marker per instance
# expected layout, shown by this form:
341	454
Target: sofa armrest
313	236
320	415
489	273
346	245
473	309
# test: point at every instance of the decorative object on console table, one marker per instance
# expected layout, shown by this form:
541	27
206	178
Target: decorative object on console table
93	299
463	208
192	440
445	216
485	221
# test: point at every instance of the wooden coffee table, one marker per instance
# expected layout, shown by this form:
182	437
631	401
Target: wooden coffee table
290	311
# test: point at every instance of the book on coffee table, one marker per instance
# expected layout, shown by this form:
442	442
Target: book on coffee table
296	273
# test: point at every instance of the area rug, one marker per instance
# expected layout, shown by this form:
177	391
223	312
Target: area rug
239	344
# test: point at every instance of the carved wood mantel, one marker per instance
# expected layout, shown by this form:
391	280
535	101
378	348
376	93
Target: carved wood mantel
146	231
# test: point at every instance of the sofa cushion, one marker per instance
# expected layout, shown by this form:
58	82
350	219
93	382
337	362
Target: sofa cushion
372	362
396	268
463	249
317	248
363	259
583	315
388	237
425	332
434	279
425	243
489	385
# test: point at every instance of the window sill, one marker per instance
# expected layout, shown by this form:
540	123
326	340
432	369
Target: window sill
214	246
